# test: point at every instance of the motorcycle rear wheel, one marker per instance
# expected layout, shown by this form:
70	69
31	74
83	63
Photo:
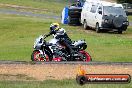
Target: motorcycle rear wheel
85	56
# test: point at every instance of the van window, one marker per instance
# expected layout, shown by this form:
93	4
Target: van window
88	7
116	11
85	6
93	9
100	10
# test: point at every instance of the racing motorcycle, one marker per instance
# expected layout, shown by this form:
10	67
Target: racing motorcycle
55	51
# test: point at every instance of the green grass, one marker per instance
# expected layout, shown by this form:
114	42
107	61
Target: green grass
17	35
55	6
109	47
130	18
58	84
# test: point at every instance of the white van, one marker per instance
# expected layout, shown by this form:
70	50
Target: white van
104	15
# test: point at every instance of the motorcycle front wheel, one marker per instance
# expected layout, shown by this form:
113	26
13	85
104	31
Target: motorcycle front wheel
36	56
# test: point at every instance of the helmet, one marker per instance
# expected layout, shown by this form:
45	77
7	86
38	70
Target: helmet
54	26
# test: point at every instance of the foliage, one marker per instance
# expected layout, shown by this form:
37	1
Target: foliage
124	1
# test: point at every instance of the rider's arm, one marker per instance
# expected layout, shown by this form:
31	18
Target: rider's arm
48	35
51	32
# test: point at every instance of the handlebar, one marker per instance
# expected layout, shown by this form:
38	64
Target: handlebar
44	36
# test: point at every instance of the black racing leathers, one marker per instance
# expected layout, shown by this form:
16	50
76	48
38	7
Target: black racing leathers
63	39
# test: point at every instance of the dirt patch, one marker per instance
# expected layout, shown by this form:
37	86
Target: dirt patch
54	71
15	77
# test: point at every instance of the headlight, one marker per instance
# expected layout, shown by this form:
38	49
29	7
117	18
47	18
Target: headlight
126	23
105	20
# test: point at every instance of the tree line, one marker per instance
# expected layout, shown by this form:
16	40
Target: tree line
124	1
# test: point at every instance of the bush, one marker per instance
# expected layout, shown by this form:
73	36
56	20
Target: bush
124	1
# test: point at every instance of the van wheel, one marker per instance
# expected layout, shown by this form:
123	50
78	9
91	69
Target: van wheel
85	25
119	31
97	28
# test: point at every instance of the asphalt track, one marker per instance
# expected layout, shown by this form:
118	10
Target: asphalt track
24	13
70	63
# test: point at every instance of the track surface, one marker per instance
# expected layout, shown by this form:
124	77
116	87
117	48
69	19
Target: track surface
25	71
69	63
24	13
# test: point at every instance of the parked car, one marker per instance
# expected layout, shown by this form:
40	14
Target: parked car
104	15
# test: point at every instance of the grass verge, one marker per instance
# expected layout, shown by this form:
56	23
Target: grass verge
58	84
51	6
130	18
17	34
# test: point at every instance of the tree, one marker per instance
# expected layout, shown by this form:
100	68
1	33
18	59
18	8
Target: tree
124	1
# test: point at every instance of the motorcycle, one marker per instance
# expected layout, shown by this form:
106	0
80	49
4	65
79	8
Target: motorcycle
55	51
